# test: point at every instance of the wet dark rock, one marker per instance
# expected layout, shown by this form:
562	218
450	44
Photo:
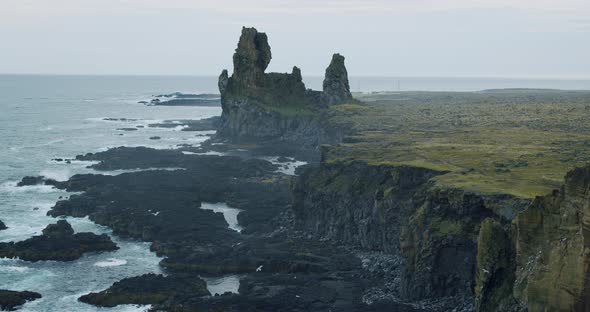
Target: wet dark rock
40	180
127	129
2	226
147	289
58	230
155	138
58	243
27	181
10	300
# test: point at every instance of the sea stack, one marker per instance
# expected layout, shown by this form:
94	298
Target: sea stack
336	87
277	106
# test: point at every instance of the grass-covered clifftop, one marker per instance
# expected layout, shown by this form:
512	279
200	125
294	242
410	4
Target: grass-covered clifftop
518	142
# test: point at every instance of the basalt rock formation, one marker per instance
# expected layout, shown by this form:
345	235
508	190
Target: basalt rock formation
58	243
146	289
553	248
336	87
277	106
449	249
10	300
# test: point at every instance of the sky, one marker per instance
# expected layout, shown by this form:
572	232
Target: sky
434	38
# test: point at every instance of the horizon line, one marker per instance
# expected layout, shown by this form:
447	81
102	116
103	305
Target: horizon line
580	78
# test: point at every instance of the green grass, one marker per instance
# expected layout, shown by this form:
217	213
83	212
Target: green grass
519	142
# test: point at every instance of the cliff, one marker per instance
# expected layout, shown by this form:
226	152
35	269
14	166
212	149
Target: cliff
277	106
450	247
552	245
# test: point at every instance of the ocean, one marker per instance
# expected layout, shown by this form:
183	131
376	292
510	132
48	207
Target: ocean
46	117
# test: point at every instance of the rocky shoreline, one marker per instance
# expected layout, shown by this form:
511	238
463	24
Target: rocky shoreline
340	235
58	243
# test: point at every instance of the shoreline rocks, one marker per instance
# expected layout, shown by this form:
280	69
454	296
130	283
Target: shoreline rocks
10	300
147	289
58	243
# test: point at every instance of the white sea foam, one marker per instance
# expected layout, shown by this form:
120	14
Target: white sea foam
223	284
205	153
230	214
288	167
111	262
18	269
10	187
57	174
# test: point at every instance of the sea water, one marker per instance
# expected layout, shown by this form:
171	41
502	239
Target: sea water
47	117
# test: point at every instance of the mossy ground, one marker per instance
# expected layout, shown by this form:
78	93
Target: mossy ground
519	142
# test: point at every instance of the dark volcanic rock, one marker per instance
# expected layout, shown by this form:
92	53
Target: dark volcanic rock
28	181
10	299
58	230
31	181
2	226
147	289
335	84
400	212
58	243
276	106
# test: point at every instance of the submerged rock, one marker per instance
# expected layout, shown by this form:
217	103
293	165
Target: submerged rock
58	243
10	299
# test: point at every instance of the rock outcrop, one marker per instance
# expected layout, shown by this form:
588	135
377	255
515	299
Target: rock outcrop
277	106
58	243
147	289
10	300
2	226
335	85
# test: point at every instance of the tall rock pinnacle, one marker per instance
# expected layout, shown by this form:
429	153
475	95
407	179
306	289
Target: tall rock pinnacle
251	57
336	87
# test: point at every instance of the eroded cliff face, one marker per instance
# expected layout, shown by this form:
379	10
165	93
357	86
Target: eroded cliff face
400	211
277	106
452	243
552	244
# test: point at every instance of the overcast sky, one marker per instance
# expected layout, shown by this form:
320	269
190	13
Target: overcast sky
500	38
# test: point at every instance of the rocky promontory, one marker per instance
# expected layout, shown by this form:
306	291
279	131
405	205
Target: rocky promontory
10	300
58	243
277	106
